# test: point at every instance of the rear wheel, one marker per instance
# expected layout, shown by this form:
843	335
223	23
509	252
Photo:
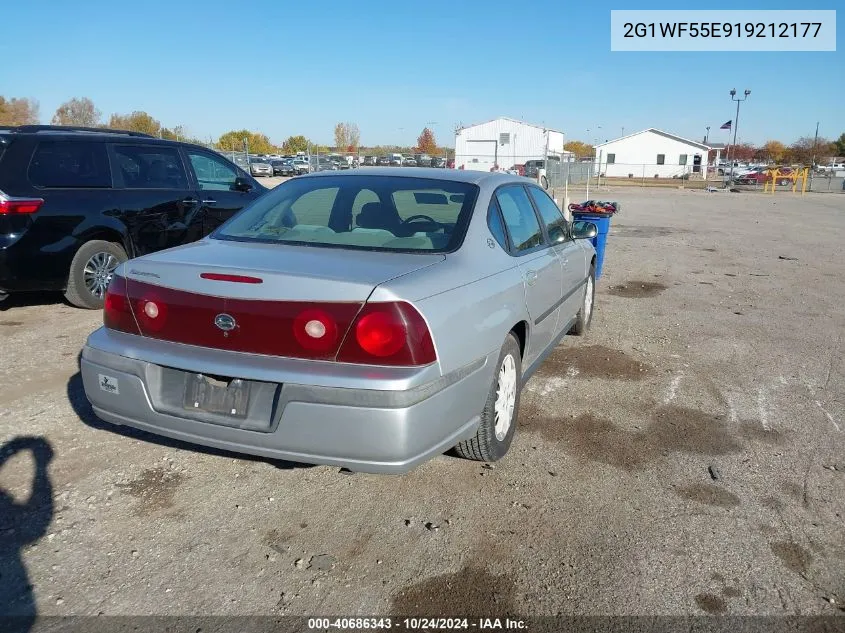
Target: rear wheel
544	182
91	271
784	181
498	418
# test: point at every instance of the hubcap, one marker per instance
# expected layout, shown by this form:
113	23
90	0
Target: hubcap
505	397
588	300
98	271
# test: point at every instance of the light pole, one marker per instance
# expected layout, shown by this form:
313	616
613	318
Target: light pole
736	125
813	162
707	136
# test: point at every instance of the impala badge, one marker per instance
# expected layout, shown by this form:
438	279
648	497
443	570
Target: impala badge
225	322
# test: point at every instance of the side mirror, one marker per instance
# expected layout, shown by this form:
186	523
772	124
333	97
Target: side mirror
242	184
583	230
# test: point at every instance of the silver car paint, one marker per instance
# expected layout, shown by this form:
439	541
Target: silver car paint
470	299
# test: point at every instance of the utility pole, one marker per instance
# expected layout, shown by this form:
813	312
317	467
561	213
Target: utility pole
813	162
736	125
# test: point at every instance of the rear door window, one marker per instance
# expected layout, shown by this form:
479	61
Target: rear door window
519	217
556	226
70	164
149	167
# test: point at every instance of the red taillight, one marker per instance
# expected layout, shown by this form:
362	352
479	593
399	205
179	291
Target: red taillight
388	334
10	205
117	313
240	279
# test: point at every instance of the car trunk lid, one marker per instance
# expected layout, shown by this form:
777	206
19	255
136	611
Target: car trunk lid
252	302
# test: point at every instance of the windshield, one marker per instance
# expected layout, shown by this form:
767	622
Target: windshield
387	213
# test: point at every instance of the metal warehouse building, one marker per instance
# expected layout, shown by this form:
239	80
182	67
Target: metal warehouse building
504	142
651	153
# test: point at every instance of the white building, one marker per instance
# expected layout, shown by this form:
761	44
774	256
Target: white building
651	153
505	142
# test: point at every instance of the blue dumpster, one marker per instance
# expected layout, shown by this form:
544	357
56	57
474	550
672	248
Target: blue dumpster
602	222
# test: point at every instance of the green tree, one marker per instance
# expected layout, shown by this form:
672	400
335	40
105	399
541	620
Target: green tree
295	144
579	148
77	111
138	121
18	111
257	143
839	144
426	143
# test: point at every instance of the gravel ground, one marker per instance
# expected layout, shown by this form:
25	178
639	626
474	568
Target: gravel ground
688	457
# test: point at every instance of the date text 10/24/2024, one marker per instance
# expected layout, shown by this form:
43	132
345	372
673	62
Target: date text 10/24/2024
413	624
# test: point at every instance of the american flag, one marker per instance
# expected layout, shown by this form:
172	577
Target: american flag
726	125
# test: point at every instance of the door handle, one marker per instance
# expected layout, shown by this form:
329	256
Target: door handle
531	277
190	201
209	201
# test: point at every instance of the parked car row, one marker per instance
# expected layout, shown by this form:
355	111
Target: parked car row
400	160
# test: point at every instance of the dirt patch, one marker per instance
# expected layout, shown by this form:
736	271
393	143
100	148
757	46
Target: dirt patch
673	429
793	556
155	489
793	490
624	230
731	592
709	494
637	289
595	361
11	323
472	592
753	430
711	603
772	503
709	250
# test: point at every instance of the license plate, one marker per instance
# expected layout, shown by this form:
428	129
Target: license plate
204	393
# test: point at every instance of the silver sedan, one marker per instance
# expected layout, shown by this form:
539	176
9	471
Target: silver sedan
369	319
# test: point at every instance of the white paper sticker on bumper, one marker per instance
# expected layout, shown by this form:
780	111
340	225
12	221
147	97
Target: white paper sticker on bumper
109	384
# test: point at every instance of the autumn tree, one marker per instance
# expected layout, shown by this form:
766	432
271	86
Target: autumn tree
774	150
294	144
257	143
77	111
742	152
579	148
426	142
806	148
18	111
347	135
138	121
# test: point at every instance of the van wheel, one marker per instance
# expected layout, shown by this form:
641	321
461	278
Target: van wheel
498	418
91	271
544	182
585	314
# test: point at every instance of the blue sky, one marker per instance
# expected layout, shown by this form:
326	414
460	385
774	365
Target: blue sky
392	67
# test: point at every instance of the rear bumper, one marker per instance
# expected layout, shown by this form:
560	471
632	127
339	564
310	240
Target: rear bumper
388	422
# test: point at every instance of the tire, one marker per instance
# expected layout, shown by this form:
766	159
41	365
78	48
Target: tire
585	314
784	181
544	182
487	446
100	258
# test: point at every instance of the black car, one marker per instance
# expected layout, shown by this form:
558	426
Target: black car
76	202
283	167
439	163
423	160
383	161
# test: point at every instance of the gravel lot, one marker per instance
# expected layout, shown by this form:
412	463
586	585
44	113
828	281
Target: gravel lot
688	457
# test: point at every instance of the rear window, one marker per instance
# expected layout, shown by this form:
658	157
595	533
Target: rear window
360	212
68	164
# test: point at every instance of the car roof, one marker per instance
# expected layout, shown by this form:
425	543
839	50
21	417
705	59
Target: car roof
457	175
54	132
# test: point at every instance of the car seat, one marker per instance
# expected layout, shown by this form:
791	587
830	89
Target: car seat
374	215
